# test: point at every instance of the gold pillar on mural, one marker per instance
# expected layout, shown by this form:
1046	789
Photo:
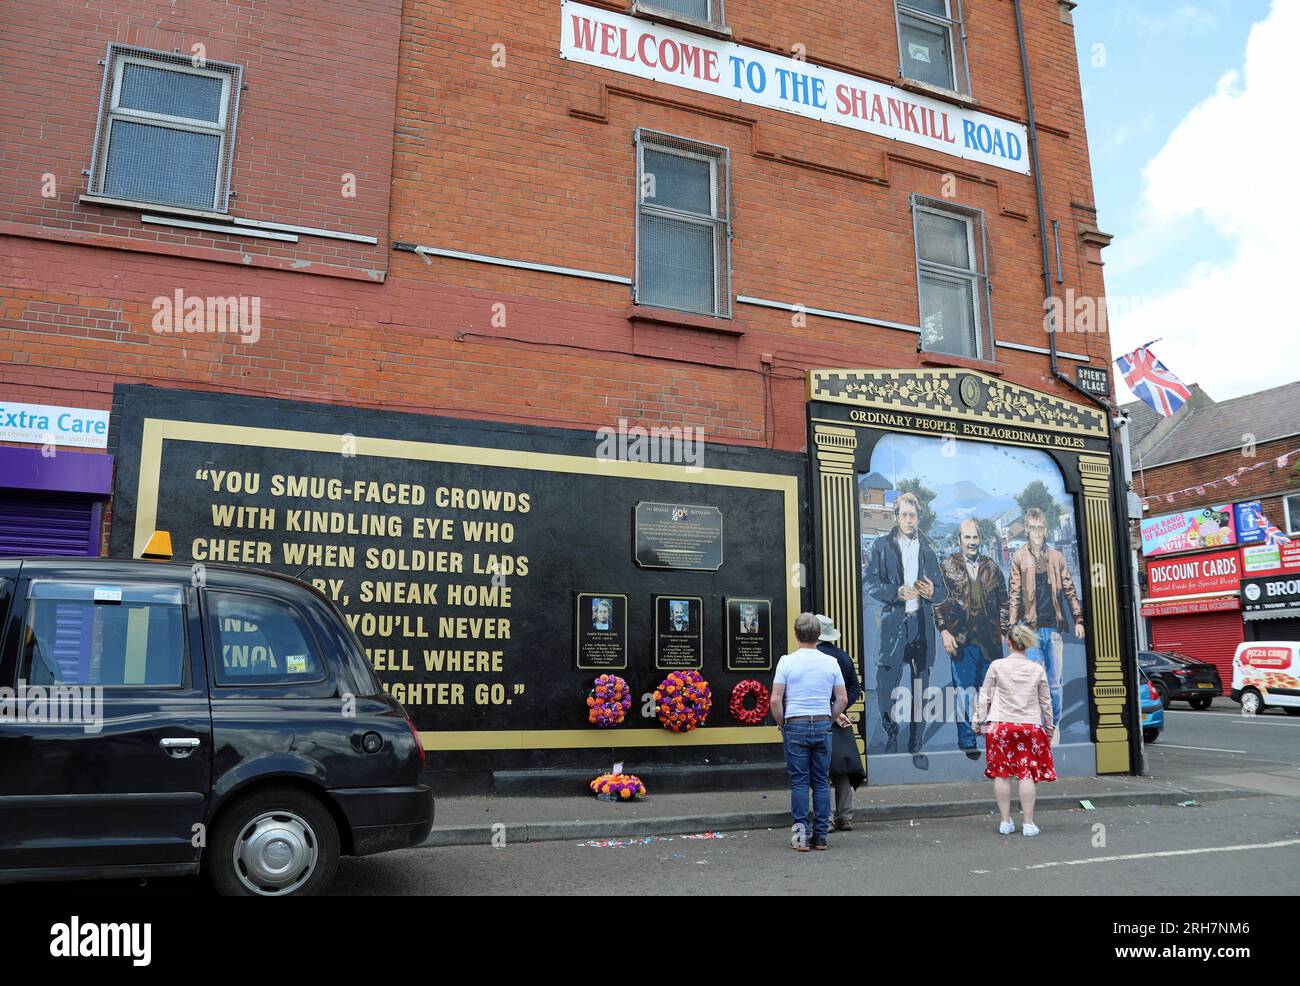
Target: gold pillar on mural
1109	691
839	561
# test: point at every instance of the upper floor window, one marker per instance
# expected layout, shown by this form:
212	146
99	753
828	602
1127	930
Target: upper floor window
932	44
952	279
683	225
166	129
707	11
1291	512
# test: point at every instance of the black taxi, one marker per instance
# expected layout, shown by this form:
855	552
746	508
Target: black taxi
165	719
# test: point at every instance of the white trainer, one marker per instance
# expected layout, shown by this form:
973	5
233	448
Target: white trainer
1006	828
1030	829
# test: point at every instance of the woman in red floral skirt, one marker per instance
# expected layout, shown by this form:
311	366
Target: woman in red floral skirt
1015	715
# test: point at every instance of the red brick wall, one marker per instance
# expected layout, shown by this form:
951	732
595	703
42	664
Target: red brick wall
1267	483
318	103
509	162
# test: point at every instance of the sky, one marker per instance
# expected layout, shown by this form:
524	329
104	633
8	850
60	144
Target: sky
1002	471
1190	116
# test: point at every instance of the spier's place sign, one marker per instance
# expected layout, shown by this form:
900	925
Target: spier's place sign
1194	573
748	75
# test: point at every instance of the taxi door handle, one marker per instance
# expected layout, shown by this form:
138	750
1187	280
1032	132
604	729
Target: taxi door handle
178	746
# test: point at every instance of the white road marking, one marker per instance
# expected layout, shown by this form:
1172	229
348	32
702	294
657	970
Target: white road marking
1282	720
1207	749
1167	852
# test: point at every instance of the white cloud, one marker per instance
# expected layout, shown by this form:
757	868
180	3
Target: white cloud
1231	324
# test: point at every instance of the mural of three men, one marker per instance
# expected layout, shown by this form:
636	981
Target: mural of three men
960	540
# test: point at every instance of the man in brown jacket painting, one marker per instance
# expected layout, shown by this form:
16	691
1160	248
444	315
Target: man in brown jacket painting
972	624
1044	599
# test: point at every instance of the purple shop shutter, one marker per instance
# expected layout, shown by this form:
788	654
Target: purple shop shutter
45	525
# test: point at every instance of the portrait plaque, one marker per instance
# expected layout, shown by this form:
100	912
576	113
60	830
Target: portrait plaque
679	632
749	634
600	631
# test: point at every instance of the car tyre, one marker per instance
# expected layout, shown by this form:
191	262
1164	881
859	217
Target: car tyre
1252	702
1201	704
1150	735
1162	693
277	842
1291	710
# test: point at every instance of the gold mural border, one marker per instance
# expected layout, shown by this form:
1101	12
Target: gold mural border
834	445
967	395
157	430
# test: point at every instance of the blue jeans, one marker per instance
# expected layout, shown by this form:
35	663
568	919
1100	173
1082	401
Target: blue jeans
808	762
1050	653
968	669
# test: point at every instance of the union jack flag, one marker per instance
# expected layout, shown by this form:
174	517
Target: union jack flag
1152	383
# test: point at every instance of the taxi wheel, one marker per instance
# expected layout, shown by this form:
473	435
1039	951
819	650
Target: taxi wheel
1150	735
278	842
1291	710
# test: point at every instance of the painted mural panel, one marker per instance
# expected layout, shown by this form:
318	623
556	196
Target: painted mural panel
959	540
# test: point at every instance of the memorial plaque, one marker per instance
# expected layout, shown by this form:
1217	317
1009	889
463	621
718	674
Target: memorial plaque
600	631
679	632
678	535
749	635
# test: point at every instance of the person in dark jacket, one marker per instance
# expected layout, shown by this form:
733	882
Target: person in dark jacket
846	762
972	624
903	575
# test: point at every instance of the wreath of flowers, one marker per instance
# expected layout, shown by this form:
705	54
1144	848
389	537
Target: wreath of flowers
749	716
683	701
625	787
609	701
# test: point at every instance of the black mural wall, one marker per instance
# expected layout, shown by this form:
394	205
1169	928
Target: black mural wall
461	576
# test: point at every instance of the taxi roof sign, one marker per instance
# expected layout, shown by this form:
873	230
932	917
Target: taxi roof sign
159	547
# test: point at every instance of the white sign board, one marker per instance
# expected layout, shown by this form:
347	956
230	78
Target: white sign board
44	424
749	75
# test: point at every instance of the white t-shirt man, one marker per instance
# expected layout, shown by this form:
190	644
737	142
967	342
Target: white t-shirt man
810	679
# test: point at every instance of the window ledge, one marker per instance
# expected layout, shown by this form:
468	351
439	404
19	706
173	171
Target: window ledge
171	210
963	362
649	12
947	95
643	314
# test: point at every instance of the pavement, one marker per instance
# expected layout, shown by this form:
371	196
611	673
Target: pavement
1201	756
487	821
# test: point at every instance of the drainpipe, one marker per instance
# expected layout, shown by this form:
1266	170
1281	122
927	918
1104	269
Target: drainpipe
1124	583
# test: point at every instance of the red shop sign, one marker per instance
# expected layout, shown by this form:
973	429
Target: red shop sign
1218	605
1192	574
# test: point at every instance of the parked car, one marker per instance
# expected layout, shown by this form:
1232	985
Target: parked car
1266	673
1177	677
1153	710
217	719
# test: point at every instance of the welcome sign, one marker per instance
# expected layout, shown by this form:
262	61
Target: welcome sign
749	75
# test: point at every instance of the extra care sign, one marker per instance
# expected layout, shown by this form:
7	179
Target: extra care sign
748	75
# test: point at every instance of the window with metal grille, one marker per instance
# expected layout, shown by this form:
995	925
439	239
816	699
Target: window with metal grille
709	11
952	274
683	233
166	129
932	44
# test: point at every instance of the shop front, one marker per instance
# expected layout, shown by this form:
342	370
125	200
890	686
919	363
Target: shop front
1272	607
1194	605
1003	498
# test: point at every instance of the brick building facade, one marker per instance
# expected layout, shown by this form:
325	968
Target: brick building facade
433	211
1238	457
